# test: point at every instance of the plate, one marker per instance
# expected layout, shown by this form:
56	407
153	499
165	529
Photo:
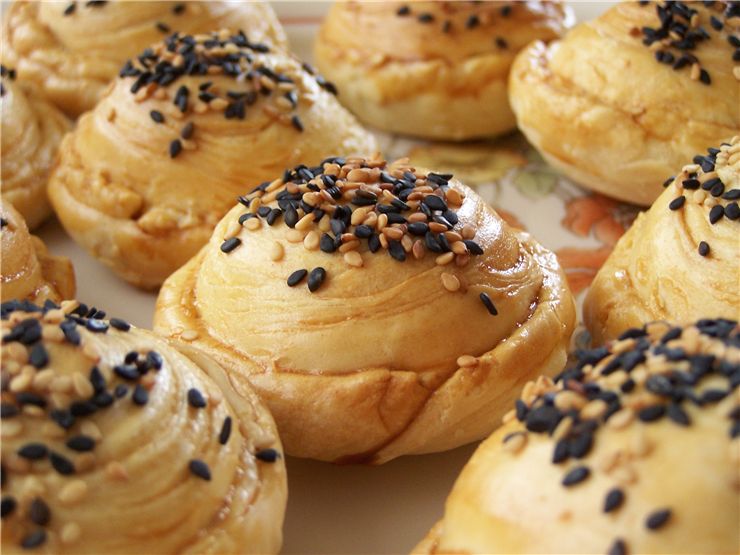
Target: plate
388	509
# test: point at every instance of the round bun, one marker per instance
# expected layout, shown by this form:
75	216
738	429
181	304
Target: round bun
116	440
147	174
71	50
616	107
635	449
31	132
28	271
436	70
394	338
679	260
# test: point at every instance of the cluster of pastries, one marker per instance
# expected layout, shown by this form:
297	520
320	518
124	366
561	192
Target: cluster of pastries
320	301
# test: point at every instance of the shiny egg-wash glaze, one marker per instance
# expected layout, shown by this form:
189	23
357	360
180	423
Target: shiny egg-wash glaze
379	309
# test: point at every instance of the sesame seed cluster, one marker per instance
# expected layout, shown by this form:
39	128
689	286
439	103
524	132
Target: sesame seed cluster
71	8
650	374
450	24
681	31
701	184
156	74
32	388
352	206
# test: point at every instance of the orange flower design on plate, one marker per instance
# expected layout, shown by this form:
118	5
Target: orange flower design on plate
606	220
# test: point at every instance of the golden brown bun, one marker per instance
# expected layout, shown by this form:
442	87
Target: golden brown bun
371	365
636	454
600	107
121	194
407	76
28	271
71	58
143	444
660	269
31	132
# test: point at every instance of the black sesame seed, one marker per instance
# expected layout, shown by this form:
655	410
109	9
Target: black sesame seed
560	453
502	43
38	357
704	77
435	203
579	446
7	505
274	214
81	443
659	384
651	413
200	469
82	408
187	131
196	399
716	23
126	371
703	248
157	116
33	451
61	464
506	11
576	476
657	519
473	247
97	326
472	22
39	512
296	277
70	9
230	244
120	391
670	335
732	194
175	148
34	539
121	325
178	8
542	419
267	455
8	411
395	249
316	278
296	122
732	211
403	10
140	396
62	417
373	243
614	499
425	18
225	433
678	415
716	214
677	203
488	303
690	184
618	547
163	27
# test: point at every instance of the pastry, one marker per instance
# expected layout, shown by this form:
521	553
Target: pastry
31	132
436	70
378	309
679	260
28	270
115	440
71	50
634	449
626	98
186	127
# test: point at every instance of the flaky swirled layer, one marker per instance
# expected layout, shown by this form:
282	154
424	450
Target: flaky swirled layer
31	132
28	271
431	69
602	109
151	467
72	56
369	367
660	268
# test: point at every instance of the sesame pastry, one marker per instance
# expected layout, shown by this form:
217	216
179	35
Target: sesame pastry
28	270
72	49
32	129
626	98
147	174
679	261
116	440
379	309
435	70
634	449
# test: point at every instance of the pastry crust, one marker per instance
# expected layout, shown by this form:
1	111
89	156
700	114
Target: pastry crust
143	209
28	270
71	58
404	75
370	366
659	269
644	471
126	414
32	129
600	107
